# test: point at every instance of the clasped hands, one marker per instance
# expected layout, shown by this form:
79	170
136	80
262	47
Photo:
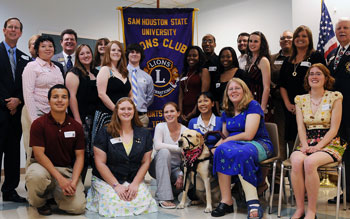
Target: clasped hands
11	104
127	193
68	186
310	149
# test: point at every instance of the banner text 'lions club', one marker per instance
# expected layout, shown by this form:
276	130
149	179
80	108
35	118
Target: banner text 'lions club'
164	34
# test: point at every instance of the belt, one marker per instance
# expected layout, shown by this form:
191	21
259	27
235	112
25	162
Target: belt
141	113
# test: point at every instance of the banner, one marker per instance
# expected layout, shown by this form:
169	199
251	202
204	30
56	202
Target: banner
164	34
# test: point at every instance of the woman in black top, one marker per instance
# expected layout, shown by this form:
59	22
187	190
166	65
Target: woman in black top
122	151
292	75
228	68
81	83
112	84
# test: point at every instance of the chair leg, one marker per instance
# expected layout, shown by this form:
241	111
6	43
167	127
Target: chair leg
280	193
273	185
338	190
344	185
291	189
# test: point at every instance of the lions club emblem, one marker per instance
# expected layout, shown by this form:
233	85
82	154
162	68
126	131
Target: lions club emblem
164	74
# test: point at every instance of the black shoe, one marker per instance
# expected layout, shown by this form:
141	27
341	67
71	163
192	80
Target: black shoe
12	196
222	209
45	210
334	200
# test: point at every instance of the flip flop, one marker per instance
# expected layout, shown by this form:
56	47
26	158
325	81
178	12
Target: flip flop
161	204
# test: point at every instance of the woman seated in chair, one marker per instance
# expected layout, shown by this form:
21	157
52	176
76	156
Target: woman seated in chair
247	143
318	116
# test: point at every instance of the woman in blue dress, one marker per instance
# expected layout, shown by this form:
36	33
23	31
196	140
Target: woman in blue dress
206	121
247	143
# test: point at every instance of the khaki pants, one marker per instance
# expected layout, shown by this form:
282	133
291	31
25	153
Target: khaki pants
144	120
40	184
26	123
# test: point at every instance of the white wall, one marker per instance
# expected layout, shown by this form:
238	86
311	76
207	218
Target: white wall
225	19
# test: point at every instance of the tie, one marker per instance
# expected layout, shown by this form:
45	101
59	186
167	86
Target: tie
134	85
69	63
337	59
12	62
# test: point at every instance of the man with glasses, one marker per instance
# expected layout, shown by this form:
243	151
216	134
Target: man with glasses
276	63
12	63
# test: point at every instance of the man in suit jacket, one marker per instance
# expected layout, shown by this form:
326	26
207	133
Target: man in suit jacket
12	63
67	56
339	65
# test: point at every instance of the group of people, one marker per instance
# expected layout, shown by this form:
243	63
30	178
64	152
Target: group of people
107	94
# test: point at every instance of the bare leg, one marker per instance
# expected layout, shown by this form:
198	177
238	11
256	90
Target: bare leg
312	179
225	188
297	159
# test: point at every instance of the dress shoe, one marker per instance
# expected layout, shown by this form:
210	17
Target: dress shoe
334	200
45	210
222	209
12	196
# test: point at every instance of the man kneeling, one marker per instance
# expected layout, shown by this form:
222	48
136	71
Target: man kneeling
58	147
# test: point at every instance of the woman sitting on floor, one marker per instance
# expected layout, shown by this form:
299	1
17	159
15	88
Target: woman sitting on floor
122	157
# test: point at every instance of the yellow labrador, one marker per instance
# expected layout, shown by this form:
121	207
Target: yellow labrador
197	160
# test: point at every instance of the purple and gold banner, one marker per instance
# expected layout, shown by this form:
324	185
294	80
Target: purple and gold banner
164	35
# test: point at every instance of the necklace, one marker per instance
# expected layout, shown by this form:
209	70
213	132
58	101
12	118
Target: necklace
186	82
295	69
316	103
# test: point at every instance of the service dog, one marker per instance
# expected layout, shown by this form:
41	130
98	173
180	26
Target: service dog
197	160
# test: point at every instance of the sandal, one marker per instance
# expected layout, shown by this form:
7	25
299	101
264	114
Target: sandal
167	206
252	208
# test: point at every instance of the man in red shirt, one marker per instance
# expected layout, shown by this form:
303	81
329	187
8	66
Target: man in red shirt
58	147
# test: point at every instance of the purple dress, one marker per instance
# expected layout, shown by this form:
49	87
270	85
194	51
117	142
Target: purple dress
243	157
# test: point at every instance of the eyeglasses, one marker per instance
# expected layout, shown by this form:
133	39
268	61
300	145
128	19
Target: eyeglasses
208	41
13	27
286	38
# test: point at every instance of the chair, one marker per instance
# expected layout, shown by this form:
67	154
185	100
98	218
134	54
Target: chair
273	133
330	167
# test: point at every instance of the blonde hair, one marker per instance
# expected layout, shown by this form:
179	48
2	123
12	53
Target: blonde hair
228	106
35	36
114	127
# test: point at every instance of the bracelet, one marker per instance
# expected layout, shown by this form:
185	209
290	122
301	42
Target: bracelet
115	185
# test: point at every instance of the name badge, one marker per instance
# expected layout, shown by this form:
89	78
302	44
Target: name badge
306	64
326	107
212	68
116	140
195	126
217	85
25	57
278	62
184	78
60	59
70	134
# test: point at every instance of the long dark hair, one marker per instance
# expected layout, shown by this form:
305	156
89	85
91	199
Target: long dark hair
264	47
200	63
78	63
310	48
97	55
234	64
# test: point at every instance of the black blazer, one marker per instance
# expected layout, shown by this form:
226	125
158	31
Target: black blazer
9	87
124	167
342	79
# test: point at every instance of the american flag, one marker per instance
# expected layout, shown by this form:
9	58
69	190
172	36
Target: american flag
327	40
